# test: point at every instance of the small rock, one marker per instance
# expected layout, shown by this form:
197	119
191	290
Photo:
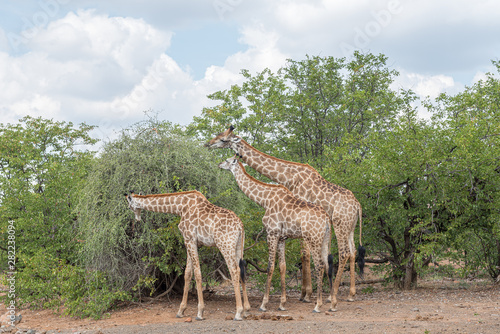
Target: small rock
265	316
188	320
415	309
229	317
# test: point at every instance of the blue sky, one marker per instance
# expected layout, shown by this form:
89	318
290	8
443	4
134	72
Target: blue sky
106	62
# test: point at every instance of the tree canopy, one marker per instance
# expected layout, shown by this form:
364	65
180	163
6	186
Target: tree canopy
429	187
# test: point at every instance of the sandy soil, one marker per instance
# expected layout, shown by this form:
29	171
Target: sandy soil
443	306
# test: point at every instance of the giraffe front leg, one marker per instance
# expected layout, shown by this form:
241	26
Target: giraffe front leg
272	242
306	290
187	281
282	264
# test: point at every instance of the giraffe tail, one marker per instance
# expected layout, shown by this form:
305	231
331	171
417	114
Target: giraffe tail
243	265
361	250
330	269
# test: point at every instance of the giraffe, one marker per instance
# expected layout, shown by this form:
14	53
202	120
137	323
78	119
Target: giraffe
202	224
307	184
286	217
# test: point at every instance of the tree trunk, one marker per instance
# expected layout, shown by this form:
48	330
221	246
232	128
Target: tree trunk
410	276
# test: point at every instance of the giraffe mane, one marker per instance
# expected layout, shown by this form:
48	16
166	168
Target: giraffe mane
168	194
278	159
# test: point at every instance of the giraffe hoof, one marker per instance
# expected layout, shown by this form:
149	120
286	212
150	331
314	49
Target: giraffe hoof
332	310
305	300
238	319
199	319
262	309
281	309
350	299
179	316
316	311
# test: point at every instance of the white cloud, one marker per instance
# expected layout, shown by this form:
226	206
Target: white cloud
89	66
79	65
426	85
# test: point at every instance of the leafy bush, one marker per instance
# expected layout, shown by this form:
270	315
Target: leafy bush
142	257
41	172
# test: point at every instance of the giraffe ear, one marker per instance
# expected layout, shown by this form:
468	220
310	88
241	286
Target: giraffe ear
231	128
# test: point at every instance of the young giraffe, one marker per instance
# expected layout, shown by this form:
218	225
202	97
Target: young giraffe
307	184
286	217
202	224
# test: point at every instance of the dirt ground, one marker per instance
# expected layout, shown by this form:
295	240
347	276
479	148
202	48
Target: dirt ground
439	306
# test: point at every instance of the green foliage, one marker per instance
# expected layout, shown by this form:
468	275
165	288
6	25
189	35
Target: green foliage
429	188
41	170
307	106
149	158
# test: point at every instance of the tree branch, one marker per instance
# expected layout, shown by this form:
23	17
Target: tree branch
256	266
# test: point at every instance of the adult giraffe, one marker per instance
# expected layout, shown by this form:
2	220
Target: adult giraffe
307	184
286	217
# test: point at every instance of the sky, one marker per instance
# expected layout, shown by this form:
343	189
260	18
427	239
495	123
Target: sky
106	62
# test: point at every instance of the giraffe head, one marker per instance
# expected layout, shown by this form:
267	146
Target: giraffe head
134	206
229	164
226	139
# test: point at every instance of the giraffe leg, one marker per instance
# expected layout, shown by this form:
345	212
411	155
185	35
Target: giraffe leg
319	268
306	292
272	242
352	258
246	303
234	271
188	273
241	264
282	264
192	249
338	278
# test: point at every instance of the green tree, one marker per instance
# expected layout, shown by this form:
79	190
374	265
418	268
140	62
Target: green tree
429	189
392	182
146	257
470	122
42	168
307	106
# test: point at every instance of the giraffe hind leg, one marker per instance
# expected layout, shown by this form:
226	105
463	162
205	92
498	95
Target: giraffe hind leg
338	278
306	290
352	260
272	242
282	264
188	274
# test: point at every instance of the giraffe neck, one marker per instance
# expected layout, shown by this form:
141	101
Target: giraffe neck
273	168
257	191
176	203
